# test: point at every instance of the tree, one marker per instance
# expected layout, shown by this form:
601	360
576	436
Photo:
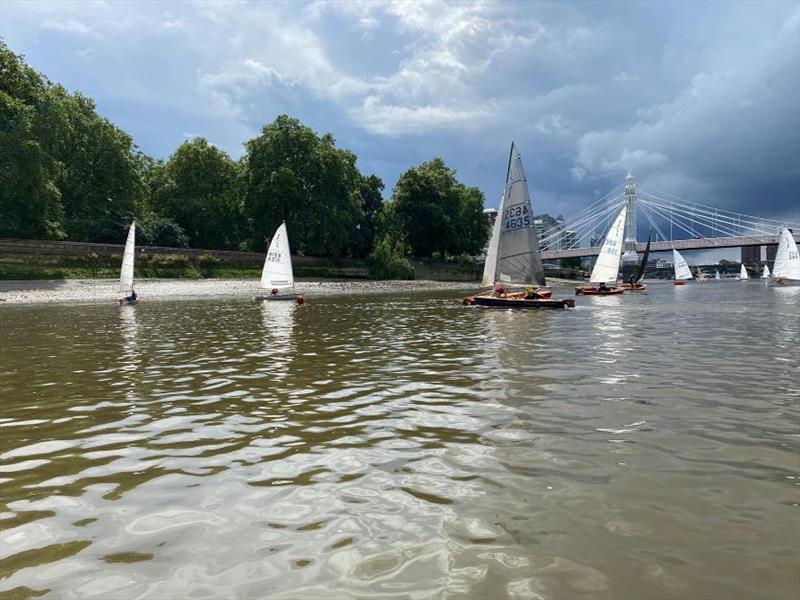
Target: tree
292	174
437	213
30	202
370	192
197	188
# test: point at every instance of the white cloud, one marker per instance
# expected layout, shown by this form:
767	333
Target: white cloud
69	26
395	120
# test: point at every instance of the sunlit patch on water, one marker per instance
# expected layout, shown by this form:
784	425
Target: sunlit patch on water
641	446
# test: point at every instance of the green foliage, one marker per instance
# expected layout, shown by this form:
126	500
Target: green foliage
197	189
388	259
437	213
30	202
292	174
155	230
370	195
65	170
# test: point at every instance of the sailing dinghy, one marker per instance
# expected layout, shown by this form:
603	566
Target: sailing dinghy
277	277
716	275
743	273
126	272
636	284
765	272
513	257
787	260
606	268
682	270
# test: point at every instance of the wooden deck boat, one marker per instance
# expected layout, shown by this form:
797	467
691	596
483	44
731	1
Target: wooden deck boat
596	291
517	302
634	287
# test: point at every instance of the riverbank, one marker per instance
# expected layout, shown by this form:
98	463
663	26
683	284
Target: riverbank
103	290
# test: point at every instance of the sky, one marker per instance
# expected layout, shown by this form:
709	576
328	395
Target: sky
700	100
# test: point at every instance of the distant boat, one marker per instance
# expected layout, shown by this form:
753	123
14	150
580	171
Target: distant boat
765	272
787	260
513	257
636	285
716	275
126	272
743	273
682	270
606	268
277	277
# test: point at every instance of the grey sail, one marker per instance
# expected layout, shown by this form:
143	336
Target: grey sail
518	258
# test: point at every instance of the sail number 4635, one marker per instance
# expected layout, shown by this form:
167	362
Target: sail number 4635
516	217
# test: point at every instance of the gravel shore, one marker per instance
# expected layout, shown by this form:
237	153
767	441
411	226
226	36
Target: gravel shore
104	290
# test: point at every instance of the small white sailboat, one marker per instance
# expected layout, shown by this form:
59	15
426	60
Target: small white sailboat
765	272
277	277
682	270
743	273
787	259
126	272
716	275
606	268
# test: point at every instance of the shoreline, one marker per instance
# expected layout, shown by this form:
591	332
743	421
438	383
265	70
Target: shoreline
104	290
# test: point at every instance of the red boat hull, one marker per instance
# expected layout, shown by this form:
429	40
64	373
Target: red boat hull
636	287
595	291
518	302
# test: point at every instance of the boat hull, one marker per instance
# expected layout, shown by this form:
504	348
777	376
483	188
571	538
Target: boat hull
679	282
595	291
124	302
636	287
277	298
518	302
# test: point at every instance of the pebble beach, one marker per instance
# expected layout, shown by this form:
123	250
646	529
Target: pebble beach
104	290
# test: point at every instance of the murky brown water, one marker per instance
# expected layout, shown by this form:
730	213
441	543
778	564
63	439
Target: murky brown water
643	446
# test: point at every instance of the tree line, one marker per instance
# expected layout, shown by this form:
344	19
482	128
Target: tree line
68	173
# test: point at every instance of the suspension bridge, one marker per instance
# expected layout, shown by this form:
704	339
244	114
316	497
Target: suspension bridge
673	223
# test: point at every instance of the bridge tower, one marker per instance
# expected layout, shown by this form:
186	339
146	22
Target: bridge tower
629	259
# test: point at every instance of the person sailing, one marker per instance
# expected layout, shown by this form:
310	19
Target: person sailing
132	298
603	287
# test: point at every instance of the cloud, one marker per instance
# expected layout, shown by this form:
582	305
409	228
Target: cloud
393	120
69	26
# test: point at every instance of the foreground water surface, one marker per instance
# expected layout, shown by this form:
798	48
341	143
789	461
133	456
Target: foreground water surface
640	446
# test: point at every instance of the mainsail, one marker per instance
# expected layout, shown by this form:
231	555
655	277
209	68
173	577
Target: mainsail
716	275
643	264
743	273
491	253
518	258
787	260
277	271
765	272
607	266
126	273
682	270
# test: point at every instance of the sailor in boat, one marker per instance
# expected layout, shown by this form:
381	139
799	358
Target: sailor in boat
602	286
129	299
531	294
499	290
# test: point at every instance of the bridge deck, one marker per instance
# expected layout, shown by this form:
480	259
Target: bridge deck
695	244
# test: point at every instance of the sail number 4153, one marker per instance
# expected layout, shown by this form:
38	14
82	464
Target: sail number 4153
516	217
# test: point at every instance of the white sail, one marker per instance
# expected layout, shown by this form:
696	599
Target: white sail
765	272
787	260
716	275
606	268
491	253
682	270
518	258
743	273
126	273
277	271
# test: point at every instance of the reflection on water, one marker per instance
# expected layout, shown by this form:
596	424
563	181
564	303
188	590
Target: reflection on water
643	446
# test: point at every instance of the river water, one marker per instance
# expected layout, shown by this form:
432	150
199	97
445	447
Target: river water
641	446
